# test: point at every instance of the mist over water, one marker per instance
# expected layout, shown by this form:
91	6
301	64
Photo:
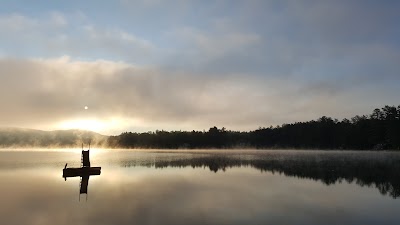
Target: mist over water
202	187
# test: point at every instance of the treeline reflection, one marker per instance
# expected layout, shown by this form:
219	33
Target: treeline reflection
381	172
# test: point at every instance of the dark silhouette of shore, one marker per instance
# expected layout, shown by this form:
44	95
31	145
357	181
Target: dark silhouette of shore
378	131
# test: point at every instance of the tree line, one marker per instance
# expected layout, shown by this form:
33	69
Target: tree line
378	131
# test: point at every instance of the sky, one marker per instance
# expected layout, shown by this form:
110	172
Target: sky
189	65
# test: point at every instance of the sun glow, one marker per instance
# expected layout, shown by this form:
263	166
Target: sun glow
84	124
106	126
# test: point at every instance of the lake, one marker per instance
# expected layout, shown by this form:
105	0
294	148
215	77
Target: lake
202	187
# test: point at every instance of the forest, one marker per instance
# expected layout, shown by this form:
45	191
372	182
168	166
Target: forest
378	131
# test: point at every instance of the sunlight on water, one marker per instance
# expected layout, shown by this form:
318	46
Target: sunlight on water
202	187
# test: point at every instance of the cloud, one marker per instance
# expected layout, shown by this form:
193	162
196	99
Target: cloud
57	33
287	38
16	22
44	93
155	65
113	41
257	37
216	45
345	22
58	19
36	92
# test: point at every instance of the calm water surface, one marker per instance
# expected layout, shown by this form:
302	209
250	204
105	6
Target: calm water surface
202	187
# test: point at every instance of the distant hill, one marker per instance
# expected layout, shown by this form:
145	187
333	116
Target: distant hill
20	138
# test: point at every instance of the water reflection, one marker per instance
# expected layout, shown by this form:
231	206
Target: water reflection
162	188
328	168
